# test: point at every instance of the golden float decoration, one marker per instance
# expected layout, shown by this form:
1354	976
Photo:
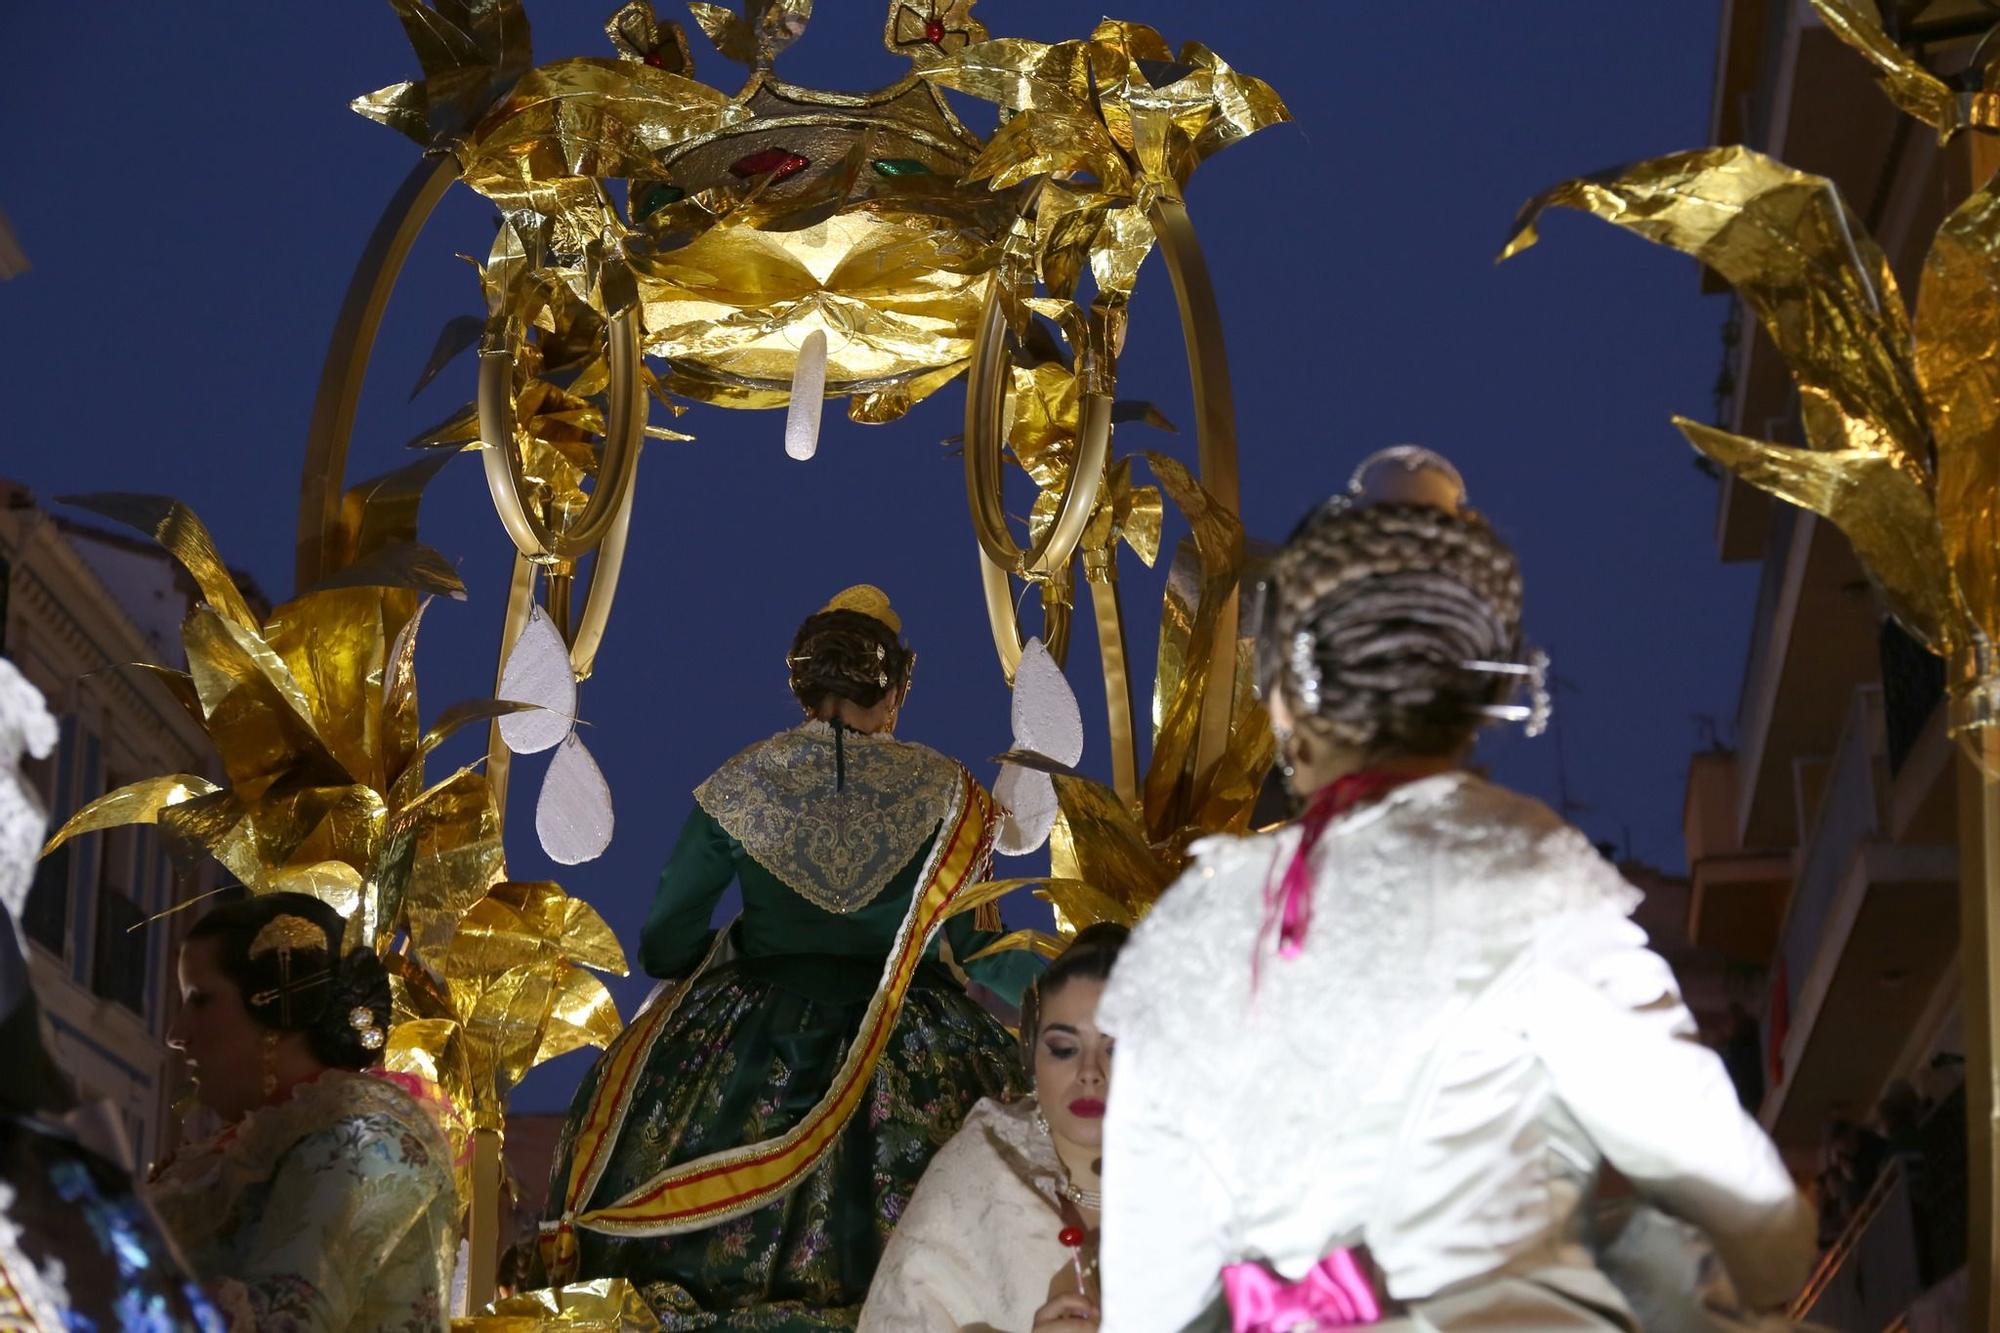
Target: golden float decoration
661	241
1901	416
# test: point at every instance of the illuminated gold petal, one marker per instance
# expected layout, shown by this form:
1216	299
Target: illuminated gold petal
1042	143
1135	41
1036	941
1084	905
1124	239
1218	539
1909	85
590	116
1109	844
456	856
582	1013
1799	258
258	717
1889	518
220	825
1958	363
174	526
606	1305
1020	75
333	646
382	511
571	924
135	803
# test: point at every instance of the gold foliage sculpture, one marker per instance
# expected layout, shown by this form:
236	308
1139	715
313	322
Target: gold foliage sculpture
1901	410
313	715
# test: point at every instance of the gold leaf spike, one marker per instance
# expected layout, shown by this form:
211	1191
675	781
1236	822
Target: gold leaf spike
457	855
1048	946
1958	363
1799	258
135	803
1083	904
1021	75
1888	517
637	33
571	924
1914	89
174	526
589	116
470	52
581	1013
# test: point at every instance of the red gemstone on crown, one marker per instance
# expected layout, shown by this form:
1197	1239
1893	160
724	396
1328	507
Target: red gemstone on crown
777	163
656	60
1071	1236
934	32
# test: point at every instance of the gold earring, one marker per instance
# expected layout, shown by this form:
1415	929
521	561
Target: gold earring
270	1058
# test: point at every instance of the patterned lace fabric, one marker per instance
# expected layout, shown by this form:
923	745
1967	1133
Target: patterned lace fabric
837	849
335	1210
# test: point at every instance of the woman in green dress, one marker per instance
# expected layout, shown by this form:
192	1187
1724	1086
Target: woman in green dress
744	1149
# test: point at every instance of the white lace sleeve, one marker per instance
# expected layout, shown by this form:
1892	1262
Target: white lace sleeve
1166	1218
1606	1019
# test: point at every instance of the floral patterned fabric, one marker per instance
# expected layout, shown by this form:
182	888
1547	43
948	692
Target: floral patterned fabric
333	1212
747	1056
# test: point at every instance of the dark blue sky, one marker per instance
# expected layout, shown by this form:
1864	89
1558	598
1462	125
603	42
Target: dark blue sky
193	193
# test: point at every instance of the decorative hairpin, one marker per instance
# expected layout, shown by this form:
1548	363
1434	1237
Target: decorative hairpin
1305	670
362	1019
1536	713
281	935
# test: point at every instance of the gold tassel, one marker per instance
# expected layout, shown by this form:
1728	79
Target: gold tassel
986	916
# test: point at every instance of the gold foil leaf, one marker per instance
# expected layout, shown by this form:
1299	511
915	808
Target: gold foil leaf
1958	363
1036	941
457	857
605	1305
910	27
1083	904
639	35
1889	518
581	1013
174	526
469	50
1021	75
570	924
135	803
1909	85
1799	258
1045	143
590	116
765	28
1109	843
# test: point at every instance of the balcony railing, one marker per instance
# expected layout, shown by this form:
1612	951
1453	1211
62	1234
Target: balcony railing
1907	1236
1850	813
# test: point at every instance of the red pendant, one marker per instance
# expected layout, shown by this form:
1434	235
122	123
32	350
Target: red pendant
1071	1236
777	163
934	32
656	60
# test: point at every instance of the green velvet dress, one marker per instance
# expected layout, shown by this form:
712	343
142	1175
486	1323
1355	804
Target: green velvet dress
755	1041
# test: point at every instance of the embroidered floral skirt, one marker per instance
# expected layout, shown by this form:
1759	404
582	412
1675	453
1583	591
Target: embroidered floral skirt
752	1049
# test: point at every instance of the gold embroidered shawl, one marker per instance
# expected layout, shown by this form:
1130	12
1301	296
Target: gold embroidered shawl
835	849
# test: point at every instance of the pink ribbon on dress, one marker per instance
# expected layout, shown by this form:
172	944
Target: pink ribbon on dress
1288	903
1335	1294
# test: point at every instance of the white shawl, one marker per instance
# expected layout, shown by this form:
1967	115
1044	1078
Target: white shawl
977	1248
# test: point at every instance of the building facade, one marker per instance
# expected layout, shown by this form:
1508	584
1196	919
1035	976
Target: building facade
79	605
1823	840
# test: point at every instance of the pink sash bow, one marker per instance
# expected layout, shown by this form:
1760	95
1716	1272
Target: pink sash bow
1335	1294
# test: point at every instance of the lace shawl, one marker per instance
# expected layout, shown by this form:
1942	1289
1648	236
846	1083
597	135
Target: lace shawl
375	1221
835	849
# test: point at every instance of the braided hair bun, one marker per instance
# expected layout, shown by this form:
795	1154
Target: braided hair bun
283	951
847	655
1373	610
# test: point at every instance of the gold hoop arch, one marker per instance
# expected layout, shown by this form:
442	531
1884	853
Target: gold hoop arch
602	528
1002	558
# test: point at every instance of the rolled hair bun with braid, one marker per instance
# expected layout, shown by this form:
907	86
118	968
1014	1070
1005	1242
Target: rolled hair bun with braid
847	655
1091	955
1372	612
313	991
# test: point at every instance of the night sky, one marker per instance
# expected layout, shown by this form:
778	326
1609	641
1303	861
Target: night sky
193	194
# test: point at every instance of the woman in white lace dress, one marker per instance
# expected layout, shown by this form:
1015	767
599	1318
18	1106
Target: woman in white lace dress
1001	1234
1418	1020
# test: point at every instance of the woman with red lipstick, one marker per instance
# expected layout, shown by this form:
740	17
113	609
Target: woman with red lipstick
1001	1234
1418	1019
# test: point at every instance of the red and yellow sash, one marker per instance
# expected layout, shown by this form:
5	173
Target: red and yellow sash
694	1195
